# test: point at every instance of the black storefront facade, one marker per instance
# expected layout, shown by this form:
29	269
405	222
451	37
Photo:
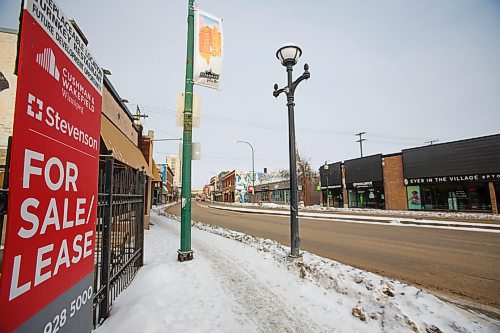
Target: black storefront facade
365	182
456	176
331	185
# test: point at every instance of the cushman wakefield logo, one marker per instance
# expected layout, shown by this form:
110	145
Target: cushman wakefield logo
47	60
72	90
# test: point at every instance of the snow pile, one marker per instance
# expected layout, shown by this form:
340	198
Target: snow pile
380	303
239	283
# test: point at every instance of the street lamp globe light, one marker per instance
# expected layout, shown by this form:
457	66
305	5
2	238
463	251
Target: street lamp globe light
289	53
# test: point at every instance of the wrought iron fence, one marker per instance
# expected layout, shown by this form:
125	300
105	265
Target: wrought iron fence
119	232
4	191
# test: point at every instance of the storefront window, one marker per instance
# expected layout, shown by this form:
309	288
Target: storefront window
414	197
335	196
367	198
338	198
280	196
352	198
454	197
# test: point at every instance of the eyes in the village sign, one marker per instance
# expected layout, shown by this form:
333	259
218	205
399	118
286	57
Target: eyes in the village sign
453	179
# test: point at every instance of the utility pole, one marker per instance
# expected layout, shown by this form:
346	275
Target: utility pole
430	142
360	134
185	252
138	115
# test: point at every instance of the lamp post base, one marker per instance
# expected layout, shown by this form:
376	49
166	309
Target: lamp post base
184	255
293	258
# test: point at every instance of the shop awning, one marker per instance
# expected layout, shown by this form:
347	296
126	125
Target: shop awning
156	173
123	149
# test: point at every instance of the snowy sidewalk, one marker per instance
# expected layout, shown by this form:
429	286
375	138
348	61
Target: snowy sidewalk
239	283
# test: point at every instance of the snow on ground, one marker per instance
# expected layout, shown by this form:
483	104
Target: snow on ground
410	213
240	283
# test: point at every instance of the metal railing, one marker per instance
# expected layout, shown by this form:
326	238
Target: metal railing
119	232
4	192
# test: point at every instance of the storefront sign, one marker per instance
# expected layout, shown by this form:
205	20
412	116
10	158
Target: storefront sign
207	50
331	187
362	184
454	179
47	272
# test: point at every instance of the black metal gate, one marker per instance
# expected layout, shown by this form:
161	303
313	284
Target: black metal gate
4	191
119	232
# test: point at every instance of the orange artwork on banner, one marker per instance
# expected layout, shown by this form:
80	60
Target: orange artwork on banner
210	42
208	47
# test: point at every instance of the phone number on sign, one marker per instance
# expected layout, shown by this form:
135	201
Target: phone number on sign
59	320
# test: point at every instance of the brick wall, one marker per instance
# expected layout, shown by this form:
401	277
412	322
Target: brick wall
146	149
394	188
494	199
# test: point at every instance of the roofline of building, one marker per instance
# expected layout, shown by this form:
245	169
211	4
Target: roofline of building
228	174
274	182
118	100
456	141
421	147
359	158
9	31
393	154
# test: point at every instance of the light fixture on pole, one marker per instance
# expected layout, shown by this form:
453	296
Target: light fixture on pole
253	167
327	172
288	55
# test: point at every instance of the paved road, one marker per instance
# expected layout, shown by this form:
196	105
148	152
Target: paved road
461	265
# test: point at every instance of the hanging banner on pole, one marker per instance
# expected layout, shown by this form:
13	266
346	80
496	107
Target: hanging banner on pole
208	50
46	282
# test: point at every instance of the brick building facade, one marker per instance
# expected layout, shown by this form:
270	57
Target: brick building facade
228	186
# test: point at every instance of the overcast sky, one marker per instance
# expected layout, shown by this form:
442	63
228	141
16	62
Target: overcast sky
404	72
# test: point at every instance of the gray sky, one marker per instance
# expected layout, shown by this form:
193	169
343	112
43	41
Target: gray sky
405	72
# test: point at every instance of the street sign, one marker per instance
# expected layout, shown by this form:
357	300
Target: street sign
47	273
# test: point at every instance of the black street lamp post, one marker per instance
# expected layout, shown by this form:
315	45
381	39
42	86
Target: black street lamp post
288	55
326	168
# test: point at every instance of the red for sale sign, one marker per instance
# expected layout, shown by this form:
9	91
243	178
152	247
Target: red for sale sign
47	271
